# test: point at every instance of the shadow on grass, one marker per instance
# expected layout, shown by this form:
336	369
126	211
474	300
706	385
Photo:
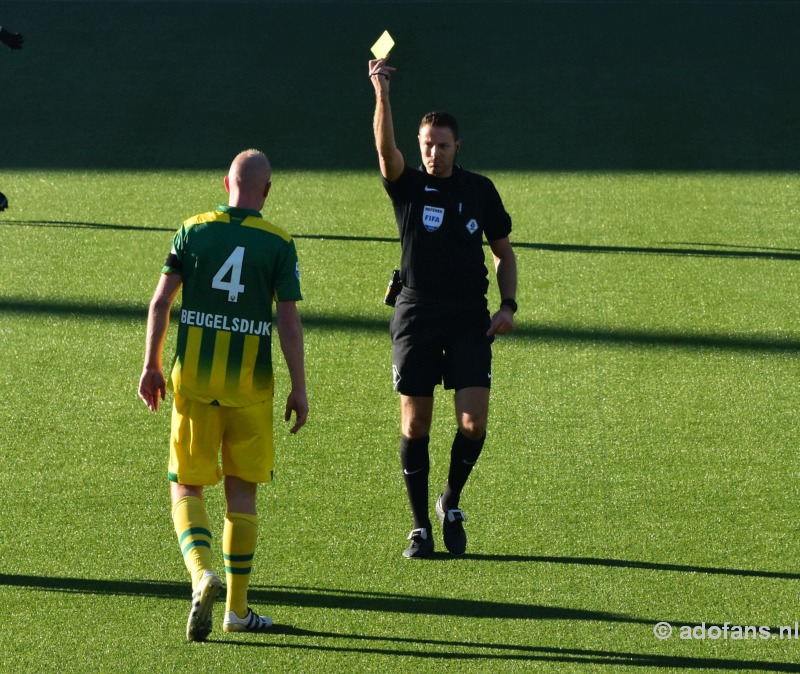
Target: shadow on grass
709	250
507	652
325	598
411	646
562	334
667	248
385	602
630	564
77	224
695	249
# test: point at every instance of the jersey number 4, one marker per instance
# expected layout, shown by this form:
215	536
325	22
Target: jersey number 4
232	269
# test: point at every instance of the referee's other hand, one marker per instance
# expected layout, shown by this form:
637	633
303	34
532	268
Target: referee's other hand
502	322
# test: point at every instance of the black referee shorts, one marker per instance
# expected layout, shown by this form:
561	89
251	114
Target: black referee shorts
438	340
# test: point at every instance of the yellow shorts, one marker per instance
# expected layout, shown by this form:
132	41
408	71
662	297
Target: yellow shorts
200	430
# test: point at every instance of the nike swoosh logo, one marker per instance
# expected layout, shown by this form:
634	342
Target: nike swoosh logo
413	472
430	189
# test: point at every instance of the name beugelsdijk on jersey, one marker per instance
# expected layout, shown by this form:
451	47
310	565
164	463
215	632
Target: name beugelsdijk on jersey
202	319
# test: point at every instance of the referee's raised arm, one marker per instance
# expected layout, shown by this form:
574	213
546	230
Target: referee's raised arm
390	158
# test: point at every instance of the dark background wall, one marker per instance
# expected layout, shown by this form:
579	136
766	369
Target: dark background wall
536	85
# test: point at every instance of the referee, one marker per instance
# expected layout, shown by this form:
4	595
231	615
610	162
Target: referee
441	329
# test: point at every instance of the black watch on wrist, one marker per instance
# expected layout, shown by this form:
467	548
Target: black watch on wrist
511	304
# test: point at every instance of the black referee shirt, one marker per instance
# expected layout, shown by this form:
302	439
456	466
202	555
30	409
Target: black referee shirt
442	222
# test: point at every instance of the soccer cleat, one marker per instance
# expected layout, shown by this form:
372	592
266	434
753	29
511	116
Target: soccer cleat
455	538
252	622
198	626
421	544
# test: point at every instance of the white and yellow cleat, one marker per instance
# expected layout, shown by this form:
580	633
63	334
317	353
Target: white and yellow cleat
198	627
252	622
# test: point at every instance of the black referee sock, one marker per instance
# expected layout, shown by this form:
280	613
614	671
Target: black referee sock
415	460
463	457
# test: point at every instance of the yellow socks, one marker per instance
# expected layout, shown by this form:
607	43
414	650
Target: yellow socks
238	547
239	537
194	535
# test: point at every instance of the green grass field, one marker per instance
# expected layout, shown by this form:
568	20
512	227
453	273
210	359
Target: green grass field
641	462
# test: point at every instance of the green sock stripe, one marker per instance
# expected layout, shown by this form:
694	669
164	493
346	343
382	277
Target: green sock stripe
195	544
238	558
194	531
237	571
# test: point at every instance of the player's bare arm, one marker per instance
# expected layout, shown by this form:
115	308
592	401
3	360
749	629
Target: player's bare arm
152	384
505	265
389	156
290	332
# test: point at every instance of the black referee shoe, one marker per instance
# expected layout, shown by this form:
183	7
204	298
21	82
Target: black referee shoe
455	538
421	544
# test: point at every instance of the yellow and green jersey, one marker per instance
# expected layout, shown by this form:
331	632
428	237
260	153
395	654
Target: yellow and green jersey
233	265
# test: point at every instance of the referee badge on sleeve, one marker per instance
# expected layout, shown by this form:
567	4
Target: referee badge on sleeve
432	218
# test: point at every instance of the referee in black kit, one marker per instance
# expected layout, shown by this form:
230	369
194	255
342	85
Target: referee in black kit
441	329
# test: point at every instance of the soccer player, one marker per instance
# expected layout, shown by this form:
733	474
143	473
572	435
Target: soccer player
441	327
231	265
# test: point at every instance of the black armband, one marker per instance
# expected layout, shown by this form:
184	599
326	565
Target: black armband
173	262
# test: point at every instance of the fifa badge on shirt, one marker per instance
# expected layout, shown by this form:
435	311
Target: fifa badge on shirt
432	218
472	226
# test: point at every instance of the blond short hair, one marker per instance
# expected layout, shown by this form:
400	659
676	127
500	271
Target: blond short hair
250	169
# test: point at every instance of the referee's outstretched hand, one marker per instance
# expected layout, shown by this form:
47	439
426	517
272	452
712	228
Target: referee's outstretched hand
502	322
11	40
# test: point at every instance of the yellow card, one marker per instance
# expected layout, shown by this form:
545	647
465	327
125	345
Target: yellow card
383	46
